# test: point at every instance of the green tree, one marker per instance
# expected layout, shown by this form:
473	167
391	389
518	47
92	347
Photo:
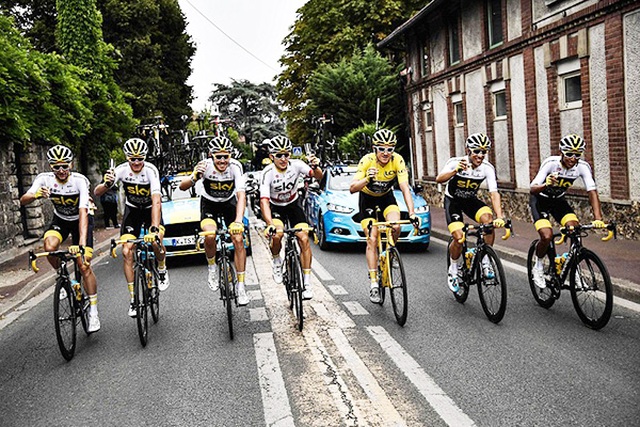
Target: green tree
79	38
253	108
349	89
43	97
326	32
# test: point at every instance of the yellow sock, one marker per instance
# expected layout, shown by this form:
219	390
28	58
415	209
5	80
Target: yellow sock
130	285
211	261
93	299
240	276
373	275
162	265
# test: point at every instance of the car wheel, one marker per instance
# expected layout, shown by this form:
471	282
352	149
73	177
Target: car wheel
322	234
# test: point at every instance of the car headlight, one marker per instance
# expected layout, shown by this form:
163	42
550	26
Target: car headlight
339	208
422	209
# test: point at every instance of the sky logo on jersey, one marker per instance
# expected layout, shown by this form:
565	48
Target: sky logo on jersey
65	200
221	186
138	190
467	183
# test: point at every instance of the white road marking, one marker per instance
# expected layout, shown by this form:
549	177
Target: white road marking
379	400
337	290
321	272
343	399
258	314
23	308
437	398
254	295
355	308
277	410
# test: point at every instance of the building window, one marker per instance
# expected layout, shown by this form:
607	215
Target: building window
454	40
458	113
428	118
500	104
569	84
424	57
494	22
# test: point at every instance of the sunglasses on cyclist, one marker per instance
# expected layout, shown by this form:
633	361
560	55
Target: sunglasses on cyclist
281	155
136	159
58	167
478	152
572	155
385	149
221	157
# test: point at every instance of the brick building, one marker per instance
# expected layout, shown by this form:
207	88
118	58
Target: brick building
527	72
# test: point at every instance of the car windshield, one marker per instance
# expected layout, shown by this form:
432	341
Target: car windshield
341	182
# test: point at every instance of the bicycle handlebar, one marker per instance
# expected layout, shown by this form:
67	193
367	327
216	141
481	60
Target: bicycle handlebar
486	229
611	228
115	243
63	255
296	230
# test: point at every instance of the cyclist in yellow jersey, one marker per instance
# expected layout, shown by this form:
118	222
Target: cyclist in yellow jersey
377	173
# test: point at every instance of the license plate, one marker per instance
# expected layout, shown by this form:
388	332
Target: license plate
183	241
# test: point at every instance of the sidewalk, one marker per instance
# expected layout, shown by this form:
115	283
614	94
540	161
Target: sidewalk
620	256
18	283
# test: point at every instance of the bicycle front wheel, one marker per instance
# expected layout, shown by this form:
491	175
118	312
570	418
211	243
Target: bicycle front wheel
140	296
82	309
154	296
591	290
492	286
296	292
543	296
64	315
227	284
398	286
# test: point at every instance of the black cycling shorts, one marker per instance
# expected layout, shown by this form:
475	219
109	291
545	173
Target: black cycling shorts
367	205
453	208
213	210
291	214
62	228
136	220
545	207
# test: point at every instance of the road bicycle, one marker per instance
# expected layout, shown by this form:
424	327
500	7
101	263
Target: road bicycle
324	143
390	267
589	280
492	285
226	269
292	274
146	295
70	303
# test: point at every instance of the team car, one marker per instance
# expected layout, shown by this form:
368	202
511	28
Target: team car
333	210
181	218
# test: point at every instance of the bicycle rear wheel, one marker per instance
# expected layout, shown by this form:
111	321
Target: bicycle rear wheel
591	290
288	277
492	290
227	284
154	295
82	309
140	299
64	315
544	297
398	289
296	292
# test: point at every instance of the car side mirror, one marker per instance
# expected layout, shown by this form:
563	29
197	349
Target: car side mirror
314	186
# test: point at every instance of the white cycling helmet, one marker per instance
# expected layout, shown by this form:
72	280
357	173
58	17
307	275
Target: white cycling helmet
384	137
280	144
220	144
135	147
59	154
478	141
572	144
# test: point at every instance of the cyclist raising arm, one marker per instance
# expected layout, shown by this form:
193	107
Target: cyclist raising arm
376	175
70	196
463	176
279	203
141	182
556	175
224	194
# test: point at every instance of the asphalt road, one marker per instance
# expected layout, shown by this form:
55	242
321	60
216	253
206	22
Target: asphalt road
352	365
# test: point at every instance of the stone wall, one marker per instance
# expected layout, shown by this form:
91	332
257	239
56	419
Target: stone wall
515	204
10	219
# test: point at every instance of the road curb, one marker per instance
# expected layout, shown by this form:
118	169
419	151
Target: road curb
621	288
36	285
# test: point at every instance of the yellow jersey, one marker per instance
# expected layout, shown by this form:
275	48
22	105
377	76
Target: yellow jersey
395	171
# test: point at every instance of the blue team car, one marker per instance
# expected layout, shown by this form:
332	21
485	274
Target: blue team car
181	218
333	210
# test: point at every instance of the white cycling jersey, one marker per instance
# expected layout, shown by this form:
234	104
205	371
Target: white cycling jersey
222	186
465	184
566	177
67	197
281	187
138	187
